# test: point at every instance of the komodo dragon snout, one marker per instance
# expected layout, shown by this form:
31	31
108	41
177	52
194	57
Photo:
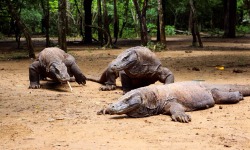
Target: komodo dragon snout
124	61
60	72
125	104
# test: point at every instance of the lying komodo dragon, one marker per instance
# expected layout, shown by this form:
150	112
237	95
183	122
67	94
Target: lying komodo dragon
175	99
137	67
57	65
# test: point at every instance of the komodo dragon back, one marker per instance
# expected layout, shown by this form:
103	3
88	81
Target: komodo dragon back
51	55
146	55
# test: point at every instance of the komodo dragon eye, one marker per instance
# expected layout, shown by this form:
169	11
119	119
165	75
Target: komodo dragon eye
125	58
57	71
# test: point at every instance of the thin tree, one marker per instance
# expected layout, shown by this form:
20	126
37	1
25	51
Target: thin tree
80	22
230	18
62	24
107	36
193	24
126	18
116	22
45	20
141	14
161	23
88	20
99	21
12	11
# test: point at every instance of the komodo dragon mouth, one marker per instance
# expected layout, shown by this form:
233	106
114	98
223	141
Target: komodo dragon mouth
126	104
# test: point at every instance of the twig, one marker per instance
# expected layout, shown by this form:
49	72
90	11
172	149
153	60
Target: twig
70	86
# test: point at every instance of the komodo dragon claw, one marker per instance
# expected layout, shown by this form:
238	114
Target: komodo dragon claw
107	88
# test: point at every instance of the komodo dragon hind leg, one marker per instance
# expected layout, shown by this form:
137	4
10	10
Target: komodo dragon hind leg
226	97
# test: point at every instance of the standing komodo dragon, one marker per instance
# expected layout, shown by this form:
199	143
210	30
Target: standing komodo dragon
57	65
137	67
175	99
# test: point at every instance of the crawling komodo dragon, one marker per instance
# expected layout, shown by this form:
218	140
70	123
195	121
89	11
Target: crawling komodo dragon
57	65
175	99
137	67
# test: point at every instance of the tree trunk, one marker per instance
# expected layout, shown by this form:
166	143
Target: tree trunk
62	27
88	21
116	22
22	27
105	19
142	19
230	18
46	14
126	18
161	23
193	23
80	23
100	23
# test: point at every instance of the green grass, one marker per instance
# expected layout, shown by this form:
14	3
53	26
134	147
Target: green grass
15	55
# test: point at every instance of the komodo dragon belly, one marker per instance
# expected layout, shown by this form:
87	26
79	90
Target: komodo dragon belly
191	96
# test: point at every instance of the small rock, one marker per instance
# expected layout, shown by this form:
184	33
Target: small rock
188	51
220	107
237	71
195	69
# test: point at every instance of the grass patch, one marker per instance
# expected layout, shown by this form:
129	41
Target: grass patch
14	55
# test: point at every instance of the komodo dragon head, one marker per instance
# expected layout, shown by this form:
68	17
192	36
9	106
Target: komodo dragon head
124	60
59	70
127	103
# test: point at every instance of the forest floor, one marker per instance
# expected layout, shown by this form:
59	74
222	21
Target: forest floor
55	118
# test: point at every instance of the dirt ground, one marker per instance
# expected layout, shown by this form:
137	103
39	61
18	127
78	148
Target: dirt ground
55	118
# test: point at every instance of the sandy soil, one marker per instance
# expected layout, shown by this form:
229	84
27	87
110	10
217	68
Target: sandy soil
55	118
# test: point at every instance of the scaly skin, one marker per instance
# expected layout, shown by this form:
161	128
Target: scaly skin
175	99
137	67
57	65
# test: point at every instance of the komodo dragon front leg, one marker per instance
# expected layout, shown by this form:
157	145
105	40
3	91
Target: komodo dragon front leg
34	75
177	112
165	75
109	76
74	70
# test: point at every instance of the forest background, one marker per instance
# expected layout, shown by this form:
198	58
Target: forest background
103	22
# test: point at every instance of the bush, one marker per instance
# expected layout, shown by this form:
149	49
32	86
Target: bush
170	30
243	29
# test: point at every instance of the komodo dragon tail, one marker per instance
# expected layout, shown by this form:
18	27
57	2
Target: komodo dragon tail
244	89
94	80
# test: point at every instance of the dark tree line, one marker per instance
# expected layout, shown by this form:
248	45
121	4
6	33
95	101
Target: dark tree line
112	14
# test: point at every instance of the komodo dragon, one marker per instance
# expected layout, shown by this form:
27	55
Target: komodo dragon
57	65
175	99
137	67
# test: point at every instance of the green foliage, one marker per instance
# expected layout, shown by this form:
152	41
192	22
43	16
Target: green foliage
32	19
170	30
243	29
156	47
53	4
1	35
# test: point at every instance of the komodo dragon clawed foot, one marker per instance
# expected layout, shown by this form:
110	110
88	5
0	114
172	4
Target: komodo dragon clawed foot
181	117
107	88
34	86
101	112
